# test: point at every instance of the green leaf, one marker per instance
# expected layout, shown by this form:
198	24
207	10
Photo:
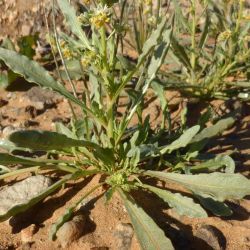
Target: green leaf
46	140
3	80
152	41
216	207
8	44
214	130
180	53
182	141
219	186
33	72
150	236
12	159
62	129
74	70
4	170
26	45
71	18
183	205
160	54
205	31
218	162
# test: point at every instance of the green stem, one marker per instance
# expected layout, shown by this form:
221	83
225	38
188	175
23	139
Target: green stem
104	48
19	171
193	42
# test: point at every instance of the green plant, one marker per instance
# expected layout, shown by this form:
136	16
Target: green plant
99	141
210	50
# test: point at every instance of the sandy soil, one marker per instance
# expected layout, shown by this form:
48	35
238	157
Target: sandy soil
20	17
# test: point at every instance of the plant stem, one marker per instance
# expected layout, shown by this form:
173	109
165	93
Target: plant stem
193	43
19	171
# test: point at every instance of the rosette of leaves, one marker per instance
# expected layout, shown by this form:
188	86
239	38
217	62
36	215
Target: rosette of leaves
100	141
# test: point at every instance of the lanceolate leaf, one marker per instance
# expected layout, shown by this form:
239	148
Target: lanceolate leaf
75	26
152	41
214	164
12	159
180	53
219	186
150	236
46	140
155	64
183	205
214	130
183	141
33	72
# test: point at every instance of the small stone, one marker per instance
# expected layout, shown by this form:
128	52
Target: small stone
123	235
71	230
27	233
10	95
43	97
22	192
212	236
39	105
26	29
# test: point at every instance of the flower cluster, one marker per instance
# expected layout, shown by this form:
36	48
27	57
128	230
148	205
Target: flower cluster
88	58
100	17
224	35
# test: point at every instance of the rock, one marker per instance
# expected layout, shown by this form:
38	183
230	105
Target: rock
26	29
212	236
22	192
42	98
123	235
71	230
27	233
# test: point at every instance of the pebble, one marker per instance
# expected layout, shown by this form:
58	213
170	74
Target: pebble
123	235
23	191
71	231
28	233
42	98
